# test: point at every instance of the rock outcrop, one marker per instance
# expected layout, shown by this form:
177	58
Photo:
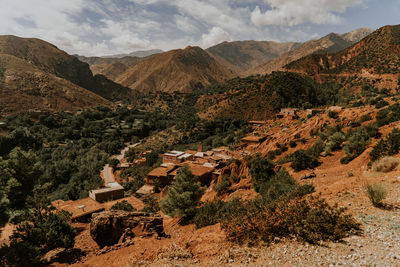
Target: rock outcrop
110	227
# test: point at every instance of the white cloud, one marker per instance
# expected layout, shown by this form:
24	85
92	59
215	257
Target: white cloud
295	12
99	27
215	36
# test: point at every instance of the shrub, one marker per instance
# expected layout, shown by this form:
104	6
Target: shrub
123	205
303	160
355	145
335	142
388	147
292	143
386	164
333	114
222	187
151	204
311	220
376	193
261	170
365	118
113	163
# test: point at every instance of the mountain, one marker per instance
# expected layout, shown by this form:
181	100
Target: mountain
109	67
241	56
139	54
330	43
377	53
49	59
24	86
181	70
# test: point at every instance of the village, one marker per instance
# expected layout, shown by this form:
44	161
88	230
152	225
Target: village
205	165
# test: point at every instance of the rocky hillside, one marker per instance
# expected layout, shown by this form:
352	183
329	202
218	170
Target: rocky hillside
377	53
49	59
241	56
331	43
110	67
181	70
25	87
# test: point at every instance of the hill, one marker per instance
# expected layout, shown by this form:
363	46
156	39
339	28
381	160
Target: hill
181	70
241	56
110	67
49	59
261	97
25	87
330	43
139	54
377	53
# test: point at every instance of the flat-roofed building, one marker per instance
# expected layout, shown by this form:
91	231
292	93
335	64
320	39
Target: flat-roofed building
172	156
161	174
81	209
108	193
202	172
252	139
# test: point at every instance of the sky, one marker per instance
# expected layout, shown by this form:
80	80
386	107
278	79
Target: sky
108	27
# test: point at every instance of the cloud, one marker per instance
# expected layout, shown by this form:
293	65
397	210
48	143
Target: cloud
215	36
100	27
296	12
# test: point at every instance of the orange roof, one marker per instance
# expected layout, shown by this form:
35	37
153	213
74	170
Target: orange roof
161	171
78	208
197	170
135	202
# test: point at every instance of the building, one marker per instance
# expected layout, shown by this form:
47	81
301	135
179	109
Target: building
115	191
3	125
253	140
172	156
161	174
81	209
287	112
312	111
202	172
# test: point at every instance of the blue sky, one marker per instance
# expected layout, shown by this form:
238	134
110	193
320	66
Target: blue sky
105	27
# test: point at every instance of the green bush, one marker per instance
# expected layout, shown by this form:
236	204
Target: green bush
223	186
123	205
302	160
387	147
333	114
261	170
292	143
335	142
355	145
376	194
311	220
151	205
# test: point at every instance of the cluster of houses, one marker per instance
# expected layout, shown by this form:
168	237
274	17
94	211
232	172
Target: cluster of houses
204	165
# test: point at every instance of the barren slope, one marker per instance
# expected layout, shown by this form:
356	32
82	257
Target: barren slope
24	87
174	71
241	56
331	43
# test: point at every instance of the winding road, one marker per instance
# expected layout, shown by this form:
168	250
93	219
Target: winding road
107	173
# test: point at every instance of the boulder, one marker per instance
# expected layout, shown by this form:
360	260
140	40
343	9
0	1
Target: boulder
109	227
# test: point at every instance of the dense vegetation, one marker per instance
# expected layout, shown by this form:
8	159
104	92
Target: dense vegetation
281	210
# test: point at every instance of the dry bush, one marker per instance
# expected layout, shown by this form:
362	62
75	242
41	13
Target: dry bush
376	193
174	252
311	220
386	164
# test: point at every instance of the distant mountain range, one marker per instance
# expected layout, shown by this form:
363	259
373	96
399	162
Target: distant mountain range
139	54
379	53
36	74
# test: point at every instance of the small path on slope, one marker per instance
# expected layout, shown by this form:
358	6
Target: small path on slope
107	173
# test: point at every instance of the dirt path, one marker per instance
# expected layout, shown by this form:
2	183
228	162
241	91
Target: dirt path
107	173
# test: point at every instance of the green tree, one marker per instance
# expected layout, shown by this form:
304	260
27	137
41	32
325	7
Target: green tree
123	205
43	230
261	170
183	195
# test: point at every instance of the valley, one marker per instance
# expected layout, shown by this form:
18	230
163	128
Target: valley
247	153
